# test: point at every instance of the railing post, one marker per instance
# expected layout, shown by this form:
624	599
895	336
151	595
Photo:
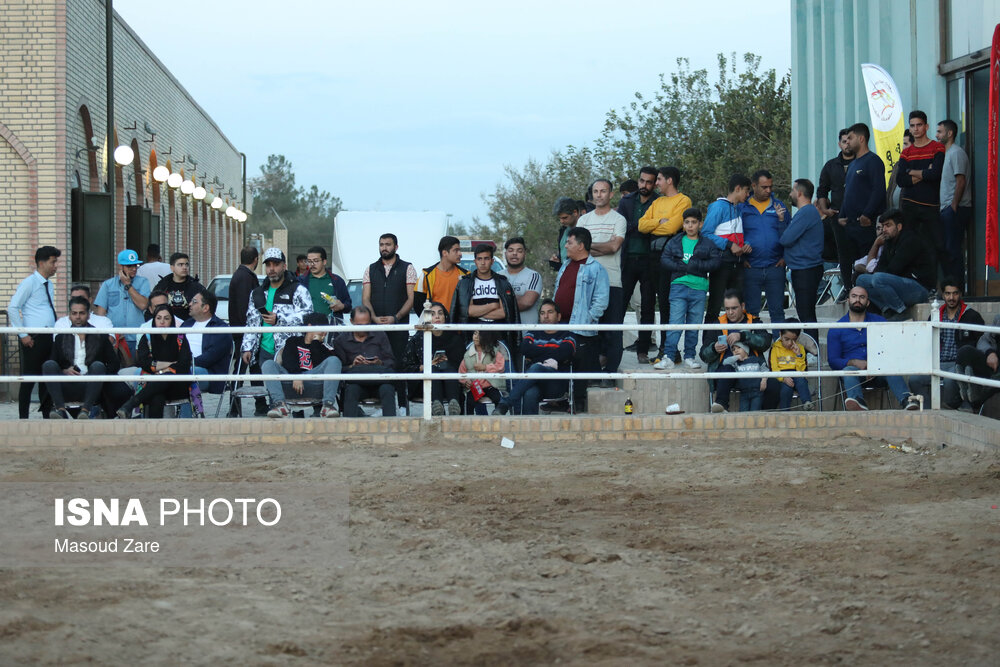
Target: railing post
428	369
935	356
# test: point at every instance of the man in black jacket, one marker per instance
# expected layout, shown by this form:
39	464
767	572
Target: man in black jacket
639	266
905	272
955	311
79	354
243	282
486	297
830	195
179	286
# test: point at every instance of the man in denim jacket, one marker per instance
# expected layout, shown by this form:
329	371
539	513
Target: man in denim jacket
582	290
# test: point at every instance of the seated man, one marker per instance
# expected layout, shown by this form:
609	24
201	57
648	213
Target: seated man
211	353
79	354
905	271
982	361
366	352
721	344
307	354
547	352
954	310
847	349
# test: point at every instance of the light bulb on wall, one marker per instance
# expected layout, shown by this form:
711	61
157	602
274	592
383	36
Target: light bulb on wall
217	202
160	174
199	193
187	186
175	180
231	211
124	155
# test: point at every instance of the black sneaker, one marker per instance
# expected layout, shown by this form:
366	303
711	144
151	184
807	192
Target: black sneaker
502	408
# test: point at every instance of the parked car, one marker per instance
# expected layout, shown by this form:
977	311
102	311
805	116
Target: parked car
219	286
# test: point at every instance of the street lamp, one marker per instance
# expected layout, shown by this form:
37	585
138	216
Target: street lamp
187	186
161	174
199	193
217	202
175	180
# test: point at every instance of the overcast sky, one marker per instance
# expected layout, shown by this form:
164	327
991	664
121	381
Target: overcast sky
419	105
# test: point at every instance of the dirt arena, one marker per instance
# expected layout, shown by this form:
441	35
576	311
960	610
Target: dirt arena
704	553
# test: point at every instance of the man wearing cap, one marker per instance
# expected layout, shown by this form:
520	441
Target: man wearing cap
124	297
280	302
32	306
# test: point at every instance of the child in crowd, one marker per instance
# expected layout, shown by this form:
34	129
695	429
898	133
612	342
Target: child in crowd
752	388
788	354
689	257
483	356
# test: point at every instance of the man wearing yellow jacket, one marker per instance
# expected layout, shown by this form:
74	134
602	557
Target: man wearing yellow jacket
662	220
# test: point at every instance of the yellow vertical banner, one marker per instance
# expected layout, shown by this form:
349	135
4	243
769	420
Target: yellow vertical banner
886	107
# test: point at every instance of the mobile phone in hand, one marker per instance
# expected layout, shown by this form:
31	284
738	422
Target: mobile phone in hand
263	311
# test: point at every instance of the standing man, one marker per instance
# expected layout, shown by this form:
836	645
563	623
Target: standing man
438	281
803	247
637	265
567	211
180	286
301	266
321	281
955	200
155	268
830	195
919	178
847	349
607	233
32	306
527	283
124	297
724	227
864	200
210	353
661	221
486	297
764	265
243	282
905	271
388	285
280	302
581	296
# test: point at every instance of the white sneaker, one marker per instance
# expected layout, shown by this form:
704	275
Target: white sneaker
717	408
692	363
664	364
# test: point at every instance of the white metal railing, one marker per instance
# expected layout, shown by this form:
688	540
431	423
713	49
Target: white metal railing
428	375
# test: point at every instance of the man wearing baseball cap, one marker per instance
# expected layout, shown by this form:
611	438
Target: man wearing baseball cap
124	297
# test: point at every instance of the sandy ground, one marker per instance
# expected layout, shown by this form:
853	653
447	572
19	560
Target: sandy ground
704	553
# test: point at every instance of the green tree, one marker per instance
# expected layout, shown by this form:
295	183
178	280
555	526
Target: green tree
309	213
709	129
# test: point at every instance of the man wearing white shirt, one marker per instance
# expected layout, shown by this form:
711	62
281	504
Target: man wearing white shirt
155	268
210	353
607	230
527	283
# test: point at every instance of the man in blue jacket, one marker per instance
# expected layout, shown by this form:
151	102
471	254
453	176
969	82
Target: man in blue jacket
803	244
864	201
210	353
764	265
847	349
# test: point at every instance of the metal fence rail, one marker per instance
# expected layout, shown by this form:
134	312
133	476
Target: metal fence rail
929	366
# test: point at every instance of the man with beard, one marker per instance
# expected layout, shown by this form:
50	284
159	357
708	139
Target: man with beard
847	349
905	271
864	200
567	212
387	291
830	195
180	286
637	260
527	283
280	302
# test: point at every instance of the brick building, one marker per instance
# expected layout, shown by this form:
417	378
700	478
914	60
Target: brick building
54	151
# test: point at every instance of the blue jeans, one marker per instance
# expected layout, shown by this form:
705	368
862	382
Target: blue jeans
530	392
325	388
891	292
687	306
771	281
785	394
750	400
853	389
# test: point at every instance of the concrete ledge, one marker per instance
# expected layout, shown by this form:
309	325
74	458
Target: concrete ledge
926	428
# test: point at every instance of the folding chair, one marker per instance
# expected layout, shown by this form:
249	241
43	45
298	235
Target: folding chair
831	286
239	393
